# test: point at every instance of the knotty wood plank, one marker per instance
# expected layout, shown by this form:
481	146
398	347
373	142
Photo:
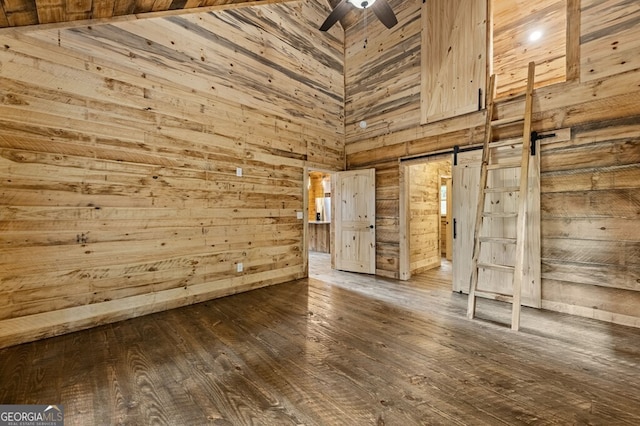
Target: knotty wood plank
592	228
610	203
609	40
514	21
597	178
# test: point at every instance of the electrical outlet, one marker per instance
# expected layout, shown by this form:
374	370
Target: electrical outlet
299	215
238	171
239	267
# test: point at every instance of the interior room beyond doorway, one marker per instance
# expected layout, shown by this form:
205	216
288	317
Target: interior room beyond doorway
319	213
426	201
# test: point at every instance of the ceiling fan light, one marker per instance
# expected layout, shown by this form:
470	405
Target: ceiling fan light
361	4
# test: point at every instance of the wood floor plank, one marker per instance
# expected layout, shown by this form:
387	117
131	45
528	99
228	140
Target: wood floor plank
336	349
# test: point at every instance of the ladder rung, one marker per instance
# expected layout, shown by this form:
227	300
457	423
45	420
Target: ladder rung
503	166
496	296
496	267
505	121
499	214
502	189
498	240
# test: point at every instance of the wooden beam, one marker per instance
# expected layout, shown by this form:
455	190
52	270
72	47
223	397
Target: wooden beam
573	39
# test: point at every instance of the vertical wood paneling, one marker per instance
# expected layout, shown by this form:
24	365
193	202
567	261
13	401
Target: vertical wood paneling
454	58
119	146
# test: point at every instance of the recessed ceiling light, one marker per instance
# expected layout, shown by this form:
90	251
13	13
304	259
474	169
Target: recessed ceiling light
535	36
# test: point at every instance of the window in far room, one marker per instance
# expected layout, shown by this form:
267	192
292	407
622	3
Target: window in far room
443	200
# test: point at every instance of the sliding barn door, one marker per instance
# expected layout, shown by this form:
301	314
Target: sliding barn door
355	215
466	179
454	58
465	175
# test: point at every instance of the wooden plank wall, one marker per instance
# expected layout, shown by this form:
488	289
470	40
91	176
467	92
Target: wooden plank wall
590	182
609	42
513	23
423	217
119	149
424	214
590	201
381	85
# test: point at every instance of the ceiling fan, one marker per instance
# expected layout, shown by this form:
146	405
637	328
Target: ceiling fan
380	8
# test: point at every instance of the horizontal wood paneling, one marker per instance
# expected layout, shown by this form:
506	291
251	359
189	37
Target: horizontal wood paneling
600	177
424	213
513	23
119	145
387	220
609	43
380	82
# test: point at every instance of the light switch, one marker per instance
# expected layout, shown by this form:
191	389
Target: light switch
240	267
238	171
299	215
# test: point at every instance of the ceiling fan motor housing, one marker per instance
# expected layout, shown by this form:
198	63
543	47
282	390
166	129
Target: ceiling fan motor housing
380	8
361	4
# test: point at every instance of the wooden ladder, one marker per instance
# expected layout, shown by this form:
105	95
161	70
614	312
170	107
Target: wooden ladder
516	270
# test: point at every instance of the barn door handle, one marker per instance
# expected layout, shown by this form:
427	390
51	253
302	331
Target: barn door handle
455	223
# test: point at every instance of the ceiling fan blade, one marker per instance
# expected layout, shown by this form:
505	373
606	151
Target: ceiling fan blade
384	13
336	14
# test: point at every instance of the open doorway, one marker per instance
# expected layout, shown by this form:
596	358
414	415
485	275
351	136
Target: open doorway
425	214
319	224
342	219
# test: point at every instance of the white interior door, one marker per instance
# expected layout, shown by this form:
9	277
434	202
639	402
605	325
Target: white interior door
354	219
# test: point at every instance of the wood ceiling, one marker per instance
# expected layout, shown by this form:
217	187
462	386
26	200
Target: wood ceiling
17	13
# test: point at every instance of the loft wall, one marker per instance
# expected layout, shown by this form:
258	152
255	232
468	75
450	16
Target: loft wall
514	22
590	176
119	150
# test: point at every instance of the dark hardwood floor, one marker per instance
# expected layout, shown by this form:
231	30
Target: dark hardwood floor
335	349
